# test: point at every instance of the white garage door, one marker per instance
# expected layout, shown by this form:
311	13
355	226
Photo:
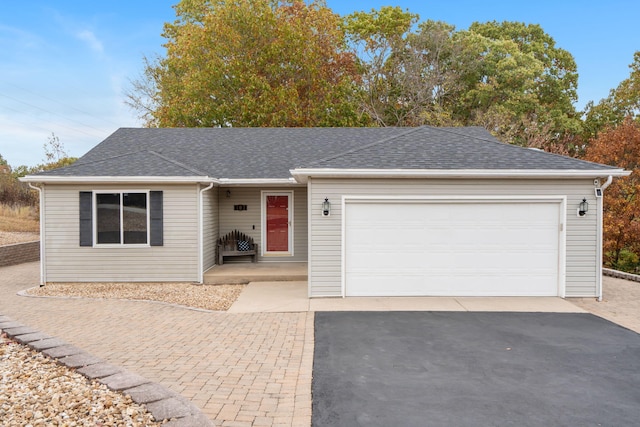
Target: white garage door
451	248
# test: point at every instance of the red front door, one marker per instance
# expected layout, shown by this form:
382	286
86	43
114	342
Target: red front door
278	223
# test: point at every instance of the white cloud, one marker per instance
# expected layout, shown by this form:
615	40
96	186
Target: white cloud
91	40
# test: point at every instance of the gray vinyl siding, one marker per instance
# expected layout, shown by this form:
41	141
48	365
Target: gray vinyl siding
325	232
210	227
250	221
67	261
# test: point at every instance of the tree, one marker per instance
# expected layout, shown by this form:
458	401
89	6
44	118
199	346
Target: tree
54	149
438	62
620	146
379	37
250	63
410	78
16	193
523	86
13	192
508	77
622	102
143	95
6	180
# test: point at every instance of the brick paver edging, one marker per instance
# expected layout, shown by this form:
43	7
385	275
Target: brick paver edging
621	275
19	253
161	402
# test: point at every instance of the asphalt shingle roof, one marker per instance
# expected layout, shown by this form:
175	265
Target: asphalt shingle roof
147	163
245	153
451	148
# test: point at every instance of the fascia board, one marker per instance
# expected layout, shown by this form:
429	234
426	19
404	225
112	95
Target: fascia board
252	182
59	179
302	174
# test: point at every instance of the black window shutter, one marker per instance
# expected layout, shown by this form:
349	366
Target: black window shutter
155	203
86	218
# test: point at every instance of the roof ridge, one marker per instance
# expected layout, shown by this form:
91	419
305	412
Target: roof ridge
362	147
129	153
450	130
177	163
81	162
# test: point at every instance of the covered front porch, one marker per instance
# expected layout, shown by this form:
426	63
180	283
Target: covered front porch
246	272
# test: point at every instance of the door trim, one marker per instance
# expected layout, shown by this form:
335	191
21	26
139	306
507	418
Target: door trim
263	222
559	199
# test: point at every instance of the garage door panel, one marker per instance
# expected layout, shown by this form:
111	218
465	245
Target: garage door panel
384	262
475	286
468	283
436	236
367	285
390	235
464	249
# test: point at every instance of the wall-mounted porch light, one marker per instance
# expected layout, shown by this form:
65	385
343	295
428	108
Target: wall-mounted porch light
228	194
326	207
583	207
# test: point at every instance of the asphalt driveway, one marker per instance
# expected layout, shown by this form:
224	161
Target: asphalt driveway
474	369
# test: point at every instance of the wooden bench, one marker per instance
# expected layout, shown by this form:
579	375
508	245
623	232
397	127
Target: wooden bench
234	244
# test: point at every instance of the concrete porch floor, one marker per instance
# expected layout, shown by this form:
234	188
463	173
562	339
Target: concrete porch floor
256	272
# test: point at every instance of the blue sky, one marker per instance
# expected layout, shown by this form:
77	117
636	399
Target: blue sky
64	65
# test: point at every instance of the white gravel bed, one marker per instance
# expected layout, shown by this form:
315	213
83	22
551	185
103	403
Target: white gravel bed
208	297
35	391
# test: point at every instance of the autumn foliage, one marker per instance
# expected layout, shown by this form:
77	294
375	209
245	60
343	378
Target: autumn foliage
14	193
254	63
273	63
292	63
620	146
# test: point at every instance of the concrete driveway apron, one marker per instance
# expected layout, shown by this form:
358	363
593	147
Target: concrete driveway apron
249	369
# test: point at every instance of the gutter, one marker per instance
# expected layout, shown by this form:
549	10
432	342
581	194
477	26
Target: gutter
302	174
198	179
200	232
249	182
58	179
43	268
600	225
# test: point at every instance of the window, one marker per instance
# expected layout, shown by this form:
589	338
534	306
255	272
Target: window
122	218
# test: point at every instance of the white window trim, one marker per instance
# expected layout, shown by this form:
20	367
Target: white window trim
121	244
263	219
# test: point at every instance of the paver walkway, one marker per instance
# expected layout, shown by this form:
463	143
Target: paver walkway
620	303
241	369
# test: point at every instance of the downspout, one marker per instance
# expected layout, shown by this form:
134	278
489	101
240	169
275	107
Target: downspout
599	254
43	268
309	238
200	236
